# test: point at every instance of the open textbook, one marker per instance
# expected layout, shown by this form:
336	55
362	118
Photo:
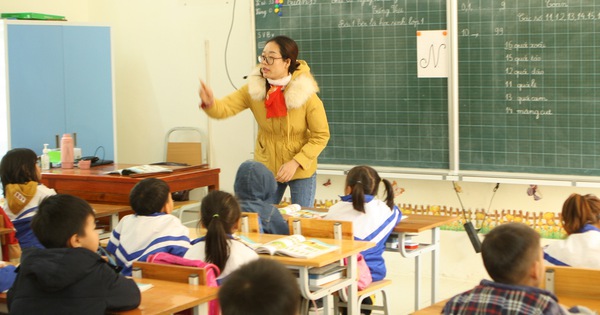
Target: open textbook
296	211
293	245
141	169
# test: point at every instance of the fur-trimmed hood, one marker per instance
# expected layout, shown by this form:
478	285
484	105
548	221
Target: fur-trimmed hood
296	93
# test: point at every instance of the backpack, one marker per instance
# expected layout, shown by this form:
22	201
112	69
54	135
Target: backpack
212	272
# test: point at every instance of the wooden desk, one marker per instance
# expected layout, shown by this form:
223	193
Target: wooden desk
567	301
105	210
416	223
434	309
348	249
168	297
94	185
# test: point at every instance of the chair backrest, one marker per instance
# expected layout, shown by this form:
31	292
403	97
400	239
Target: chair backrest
576	282
321	228
184	152
173	273
249	222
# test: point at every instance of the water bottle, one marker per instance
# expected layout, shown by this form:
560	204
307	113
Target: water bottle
66	151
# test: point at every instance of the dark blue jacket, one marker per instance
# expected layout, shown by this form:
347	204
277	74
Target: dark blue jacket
254	186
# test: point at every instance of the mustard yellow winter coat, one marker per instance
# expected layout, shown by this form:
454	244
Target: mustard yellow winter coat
301	135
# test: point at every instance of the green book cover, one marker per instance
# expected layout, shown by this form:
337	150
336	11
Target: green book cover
32	16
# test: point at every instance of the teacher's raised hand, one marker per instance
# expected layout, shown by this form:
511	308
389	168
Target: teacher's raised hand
206	95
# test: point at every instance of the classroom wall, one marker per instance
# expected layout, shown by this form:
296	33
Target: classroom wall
159	54
159	51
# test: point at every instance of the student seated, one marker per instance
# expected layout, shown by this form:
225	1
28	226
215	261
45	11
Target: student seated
255	187
220	215
581	220
68	277
261	287
513	257
21	176
152	229
373	220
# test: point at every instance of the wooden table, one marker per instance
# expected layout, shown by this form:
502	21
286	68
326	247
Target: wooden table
94	185
347	249
567	301
167	297
417	223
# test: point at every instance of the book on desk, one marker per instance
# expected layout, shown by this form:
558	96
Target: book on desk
140	169
296	246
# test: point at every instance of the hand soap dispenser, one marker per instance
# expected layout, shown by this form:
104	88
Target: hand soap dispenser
45	158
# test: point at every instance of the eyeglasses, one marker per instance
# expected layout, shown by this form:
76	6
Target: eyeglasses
268	60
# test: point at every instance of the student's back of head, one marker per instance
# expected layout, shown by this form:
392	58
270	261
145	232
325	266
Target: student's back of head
364	180
149	196
580	210
219	214
18	166
261	287
509	253
60	218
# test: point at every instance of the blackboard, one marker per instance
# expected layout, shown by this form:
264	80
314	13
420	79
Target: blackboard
363	55
528	86
527	82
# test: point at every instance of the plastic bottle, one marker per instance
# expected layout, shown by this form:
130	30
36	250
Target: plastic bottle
66	151
45	158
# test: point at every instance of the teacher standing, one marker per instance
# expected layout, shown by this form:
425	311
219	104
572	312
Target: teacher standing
292	124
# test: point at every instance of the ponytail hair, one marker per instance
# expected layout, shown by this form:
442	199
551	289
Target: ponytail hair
389	193
219	213
578	211
364	180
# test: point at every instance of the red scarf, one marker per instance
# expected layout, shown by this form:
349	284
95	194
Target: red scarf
275	102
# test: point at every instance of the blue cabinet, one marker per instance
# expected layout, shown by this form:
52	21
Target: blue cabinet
58	80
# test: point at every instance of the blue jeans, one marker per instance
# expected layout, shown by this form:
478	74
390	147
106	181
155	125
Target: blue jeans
302	191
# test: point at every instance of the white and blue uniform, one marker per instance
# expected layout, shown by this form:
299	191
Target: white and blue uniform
22	219
375	225
138	236
239	254
581	249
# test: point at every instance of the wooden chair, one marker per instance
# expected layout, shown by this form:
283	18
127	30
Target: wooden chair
188	152
169	272
575	282
249	223
340	230
174	273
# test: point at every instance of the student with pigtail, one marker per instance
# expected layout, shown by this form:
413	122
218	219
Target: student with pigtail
581	220
373	220
220	214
